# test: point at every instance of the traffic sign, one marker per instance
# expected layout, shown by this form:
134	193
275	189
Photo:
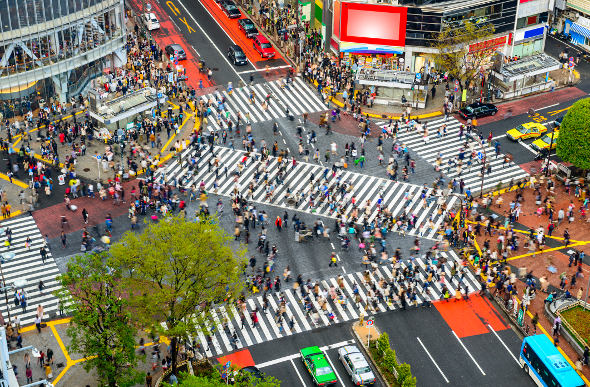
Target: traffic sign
227	364
418	76
571	60
370	322
480	155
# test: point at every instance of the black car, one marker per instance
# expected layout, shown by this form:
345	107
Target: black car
478	109
237	56
558	121
248	27
176	50
230	9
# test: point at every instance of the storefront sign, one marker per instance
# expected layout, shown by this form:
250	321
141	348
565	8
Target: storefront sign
372	24
488	44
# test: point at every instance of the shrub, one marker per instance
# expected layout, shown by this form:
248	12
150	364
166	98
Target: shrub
403	373
383	343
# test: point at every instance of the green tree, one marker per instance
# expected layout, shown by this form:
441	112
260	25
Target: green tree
178	271
383	342
573	144
101	329
461	50
403	372
214	380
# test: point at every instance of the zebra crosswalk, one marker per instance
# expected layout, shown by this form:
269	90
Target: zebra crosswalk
23	268
297	97
242	169
217	336
449	147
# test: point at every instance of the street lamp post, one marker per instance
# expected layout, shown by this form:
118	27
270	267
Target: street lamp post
5	290
549	154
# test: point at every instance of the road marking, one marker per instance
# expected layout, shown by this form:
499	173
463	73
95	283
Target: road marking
527	147
298	374
332	244
546	107
297	355
195	50
504	344
469	353
431	358
209	38
264	69
500	136
343	269
284	141
333	367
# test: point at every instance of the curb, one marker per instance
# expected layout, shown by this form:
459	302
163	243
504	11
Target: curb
368	355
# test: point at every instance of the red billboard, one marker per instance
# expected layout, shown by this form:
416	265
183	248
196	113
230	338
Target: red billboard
373	24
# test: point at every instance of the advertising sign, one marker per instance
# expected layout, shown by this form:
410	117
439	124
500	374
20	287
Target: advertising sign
373	24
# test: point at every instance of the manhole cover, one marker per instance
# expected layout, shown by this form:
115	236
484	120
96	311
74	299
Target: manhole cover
86	169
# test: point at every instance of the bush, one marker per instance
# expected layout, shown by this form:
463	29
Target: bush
409	382
389	359
383	343
403	373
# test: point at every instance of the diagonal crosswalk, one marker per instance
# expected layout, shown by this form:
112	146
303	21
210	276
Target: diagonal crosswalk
449	146
26	266
297	97
216	337
243	168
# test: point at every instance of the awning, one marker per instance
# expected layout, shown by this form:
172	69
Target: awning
578	29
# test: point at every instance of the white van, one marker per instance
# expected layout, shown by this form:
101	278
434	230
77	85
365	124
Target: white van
151	21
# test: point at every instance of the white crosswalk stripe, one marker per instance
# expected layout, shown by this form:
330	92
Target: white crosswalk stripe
364	187
343	306
297	97
27	266
449	146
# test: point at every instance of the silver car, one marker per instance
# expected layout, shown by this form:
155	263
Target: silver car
356	365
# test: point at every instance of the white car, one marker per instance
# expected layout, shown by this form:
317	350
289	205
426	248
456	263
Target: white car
356	365
151	21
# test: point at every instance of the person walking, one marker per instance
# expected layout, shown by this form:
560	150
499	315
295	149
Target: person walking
85	215
63	239
148	380
333	259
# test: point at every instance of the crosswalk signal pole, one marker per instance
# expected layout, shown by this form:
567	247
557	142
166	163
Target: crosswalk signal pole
5	290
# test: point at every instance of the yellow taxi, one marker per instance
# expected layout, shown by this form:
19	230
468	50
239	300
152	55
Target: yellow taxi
545	141
524	131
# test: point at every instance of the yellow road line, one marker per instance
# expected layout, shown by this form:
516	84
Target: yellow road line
547	251
484	277
385	116
17	182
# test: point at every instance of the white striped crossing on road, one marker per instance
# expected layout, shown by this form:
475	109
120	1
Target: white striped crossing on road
363	187
268	329
297	97
27	267
449	146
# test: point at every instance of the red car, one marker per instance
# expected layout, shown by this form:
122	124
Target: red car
263	46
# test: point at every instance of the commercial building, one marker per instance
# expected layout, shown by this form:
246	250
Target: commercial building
399	35
51	49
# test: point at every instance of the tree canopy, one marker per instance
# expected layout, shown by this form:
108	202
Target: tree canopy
454	55
176	272
101	329
213	380
573	144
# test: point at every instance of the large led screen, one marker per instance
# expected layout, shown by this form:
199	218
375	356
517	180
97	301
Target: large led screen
374	24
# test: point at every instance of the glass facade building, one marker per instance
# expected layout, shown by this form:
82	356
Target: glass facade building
50	49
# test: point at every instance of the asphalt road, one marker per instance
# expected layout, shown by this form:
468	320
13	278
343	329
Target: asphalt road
420	337
201	26
522	152
280	358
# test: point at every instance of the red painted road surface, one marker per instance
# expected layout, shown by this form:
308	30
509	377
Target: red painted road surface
169	34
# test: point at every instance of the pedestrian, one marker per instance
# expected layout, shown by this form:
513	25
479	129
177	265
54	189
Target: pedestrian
38	324
63	239
85	215
49	356
333	259
29	373
148	380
